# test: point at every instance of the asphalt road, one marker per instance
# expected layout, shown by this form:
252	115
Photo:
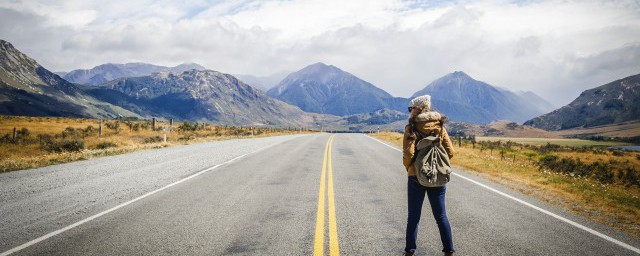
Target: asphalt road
261	197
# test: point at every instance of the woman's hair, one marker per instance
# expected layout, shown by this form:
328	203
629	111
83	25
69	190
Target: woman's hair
413	130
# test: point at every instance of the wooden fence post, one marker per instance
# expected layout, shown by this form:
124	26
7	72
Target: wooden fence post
153	123
100	129
14	134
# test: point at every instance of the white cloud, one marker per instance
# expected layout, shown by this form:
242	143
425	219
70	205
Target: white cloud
554	48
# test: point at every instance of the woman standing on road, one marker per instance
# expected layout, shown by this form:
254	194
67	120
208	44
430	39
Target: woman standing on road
422	120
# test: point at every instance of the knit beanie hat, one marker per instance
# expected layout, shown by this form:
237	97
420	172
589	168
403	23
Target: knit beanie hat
423	102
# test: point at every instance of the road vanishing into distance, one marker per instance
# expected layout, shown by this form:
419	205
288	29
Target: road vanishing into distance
318	194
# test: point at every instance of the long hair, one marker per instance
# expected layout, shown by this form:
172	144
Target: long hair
413	135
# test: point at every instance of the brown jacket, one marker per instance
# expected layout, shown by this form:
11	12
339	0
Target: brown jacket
426	123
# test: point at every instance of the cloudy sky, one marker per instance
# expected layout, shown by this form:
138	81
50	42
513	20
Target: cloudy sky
554	48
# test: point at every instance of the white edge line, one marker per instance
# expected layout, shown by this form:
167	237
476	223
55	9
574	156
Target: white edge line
49	235
575	224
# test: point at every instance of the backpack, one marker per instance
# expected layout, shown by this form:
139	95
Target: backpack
431	160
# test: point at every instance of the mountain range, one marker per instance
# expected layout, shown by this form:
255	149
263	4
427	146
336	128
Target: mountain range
322	88
108	72
195	95
332	97
615	102
26	88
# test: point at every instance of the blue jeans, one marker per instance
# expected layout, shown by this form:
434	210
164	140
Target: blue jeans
415	193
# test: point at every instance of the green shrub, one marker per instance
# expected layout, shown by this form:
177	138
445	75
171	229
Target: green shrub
6	139
113	125
45	139
187	137
65	146
105	145
23	133
186	126
617	153
153	139
68	132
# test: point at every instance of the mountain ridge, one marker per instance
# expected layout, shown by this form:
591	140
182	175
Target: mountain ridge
27	88
201	95
611	103
111	71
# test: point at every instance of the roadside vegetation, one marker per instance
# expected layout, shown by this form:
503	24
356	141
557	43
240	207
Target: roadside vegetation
556	141
596	182
42	141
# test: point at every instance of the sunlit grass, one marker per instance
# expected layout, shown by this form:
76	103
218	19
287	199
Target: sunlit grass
29	152
612	204
558	141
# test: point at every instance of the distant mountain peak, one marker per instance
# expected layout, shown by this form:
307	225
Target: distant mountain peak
5	44
190	65
12	58
320	67
465	99
459	74
322	88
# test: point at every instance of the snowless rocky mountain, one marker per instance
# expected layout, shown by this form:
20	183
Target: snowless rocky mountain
202	95
321	88
108	72
263	83
464	99
27	88
615	102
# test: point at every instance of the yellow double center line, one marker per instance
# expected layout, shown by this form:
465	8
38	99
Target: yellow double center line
318	246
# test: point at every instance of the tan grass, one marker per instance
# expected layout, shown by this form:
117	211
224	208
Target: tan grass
29	154
614	205
558	141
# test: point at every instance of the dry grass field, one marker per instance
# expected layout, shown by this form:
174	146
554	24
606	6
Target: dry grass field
609	193
557	141
42	141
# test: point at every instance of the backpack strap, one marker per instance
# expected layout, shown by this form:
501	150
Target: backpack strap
441	128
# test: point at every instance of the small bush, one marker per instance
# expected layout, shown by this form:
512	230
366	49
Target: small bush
105	145
6	139
45	139
68	132
65	146
617	153
187	137
631	177
23	133
153	139
186	126
113	125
